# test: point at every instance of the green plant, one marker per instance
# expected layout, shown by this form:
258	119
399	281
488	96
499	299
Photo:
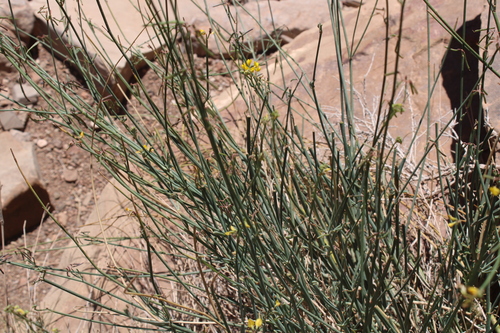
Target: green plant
276	229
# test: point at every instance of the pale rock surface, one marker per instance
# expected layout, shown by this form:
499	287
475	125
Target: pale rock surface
4	101
70	175
15	14
10	120
107	220
18	202
20	136
367	66
133	30
255	22
137	36
24	94
492	81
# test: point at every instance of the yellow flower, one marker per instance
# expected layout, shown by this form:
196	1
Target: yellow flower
471	292
79	136
277	303
231	231
17	310
454	221
495	191
145	148
250	66
201	32
254	324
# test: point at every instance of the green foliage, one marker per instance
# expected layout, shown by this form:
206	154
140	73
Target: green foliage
282	231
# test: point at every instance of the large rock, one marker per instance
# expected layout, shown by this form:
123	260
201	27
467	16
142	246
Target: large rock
19	203
366	64
17	22
254	23
135	32
17	14
492	80
129	22
109	221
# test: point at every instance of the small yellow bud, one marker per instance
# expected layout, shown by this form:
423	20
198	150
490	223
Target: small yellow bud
495	191
471	292
17	310
254	324
231	231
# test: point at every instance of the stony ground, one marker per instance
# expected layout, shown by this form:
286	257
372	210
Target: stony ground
73	181
72	185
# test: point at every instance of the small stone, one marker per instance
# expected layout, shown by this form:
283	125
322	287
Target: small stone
42	143
9	120
62	218
24	94
94	126
86	199
57	143
21	136
70	175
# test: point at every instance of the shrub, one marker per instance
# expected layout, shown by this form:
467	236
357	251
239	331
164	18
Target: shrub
277	229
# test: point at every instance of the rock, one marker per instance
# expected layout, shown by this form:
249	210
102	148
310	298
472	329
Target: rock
18	202
21	17
129	27
10	120
284	20
20	136
62	218
42	143
367	66
291	16
492	81
111	211
4	101
24	94
70	175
